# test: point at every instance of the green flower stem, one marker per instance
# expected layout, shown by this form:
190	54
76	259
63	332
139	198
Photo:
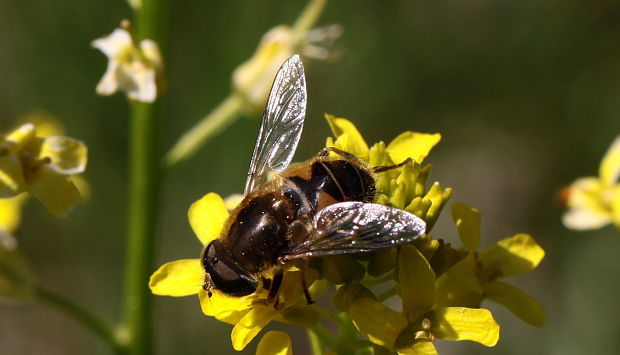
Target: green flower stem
315	343
323	336
309	16
221	117
144	178
89	320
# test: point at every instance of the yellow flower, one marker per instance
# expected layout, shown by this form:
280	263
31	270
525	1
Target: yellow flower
275	343
403	188
253	78
132	68
42	166
413	330
249	314
478	275
594	202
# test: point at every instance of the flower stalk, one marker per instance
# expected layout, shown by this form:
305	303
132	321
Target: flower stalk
89	320
217	120
144	180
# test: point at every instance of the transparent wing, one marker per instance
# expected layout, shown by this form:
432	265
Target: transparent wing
357	227
283	121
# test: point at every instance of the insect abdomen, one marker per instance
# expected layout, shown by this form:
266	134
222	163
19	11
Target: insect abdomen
258	233
332	181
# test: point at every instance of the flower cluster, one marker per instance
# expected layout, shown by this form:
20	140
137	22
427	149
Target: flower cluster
43	166
594	202
429	290
35	157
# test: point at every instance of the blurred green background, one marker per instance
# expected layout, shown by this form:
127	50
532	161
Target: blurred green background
525	93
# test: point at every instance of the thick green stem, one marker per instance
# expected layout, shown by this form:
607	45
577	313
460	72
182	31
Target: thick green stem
221	117
144	175
89	320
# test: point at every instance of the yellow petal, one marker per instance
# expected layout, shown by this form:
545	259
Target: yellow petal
439	197
11	177
517	301
512	256
55	191
417	282
584	218
616	207
459	286
224	308
422	347
609	171
178	278
460	323
412	145
467	222
68	156
82	185
251	324
18	138
207	217
379	323
10	212
587	203
275	343
46	124
348	136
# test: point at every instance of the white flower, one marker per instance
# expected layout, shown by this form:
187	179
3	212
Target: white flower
131	68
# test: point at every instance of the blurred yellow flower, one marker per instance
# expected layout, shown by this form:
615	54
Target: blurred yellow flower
132	68
594	202
253	78
478	275
42	166
249	314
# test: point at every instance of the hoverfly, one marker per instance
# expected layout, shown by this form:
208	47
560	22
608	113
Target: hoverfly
316	208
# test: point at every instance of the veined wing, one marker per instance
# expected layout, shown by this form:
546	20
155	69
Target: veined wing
357	227
282	123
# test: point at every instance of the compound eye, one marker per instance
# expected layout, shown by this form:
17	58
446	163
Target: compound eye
224	276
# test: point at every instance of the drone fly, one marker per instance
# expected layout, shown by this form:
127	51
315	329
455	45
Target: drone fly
312	209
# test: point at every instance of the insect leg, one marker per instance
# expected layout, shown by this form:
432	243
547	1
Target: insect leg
304	285
275	287
380	169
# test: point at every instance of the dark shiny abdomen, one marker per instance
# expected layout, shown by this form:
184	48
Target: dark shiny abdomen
258	234
339	179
